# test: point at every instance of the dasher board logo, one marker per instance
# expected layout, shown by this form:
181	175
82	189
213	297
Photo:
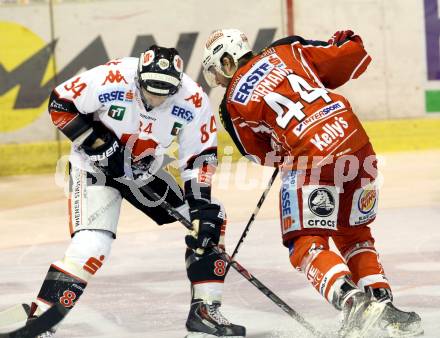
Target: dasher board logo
116	112
321	202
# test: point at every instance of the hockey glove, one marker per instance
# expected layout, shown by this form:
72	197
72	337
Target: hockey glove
142	167
106	152
341	36
207	221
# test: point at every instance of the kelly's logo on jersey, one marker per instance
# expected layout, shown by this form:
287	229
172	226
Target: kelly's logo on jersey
187	115
116	112
331	132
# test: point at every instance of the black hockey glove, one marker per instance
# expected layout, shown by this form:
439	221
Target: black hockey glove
143	166
207	221
106	152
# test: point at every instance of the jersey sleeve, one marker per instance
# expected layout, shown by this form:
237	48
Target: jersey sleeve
81	90
72	100
198	144
250	143
330	64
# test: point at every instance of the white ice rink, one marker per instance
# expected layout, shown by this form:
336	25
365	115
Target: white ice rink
142	290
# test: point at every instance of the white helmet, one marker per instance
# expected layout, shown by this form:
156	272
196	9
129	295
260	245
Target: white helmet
230	41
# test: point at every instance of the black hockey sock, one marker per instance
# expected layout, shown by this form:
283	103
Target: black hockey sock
61	286
204	268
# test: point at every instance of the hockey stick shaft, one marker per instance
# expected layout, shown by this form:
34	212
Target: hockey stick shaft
239	268
252	218
13	315
44	323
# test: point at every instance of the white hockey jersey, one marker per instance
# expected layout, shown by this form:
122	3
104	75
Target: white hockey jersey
111	94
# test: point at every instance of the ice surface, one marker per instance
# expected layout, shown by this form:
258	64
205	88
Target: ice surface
142	290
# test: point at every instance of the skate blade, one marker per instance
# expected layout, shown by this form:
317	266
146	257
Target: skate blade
411	331
372	314
207	335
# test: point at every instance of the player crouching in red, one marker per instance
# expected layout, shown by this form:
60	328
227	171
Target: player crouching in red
279	111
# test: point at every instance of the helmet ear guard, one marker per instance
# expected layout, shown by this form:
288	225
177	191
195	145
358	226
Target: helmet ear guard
223	42
160	71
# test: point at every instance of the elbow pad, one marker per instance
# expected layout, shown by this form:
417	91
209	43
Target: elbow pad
67	118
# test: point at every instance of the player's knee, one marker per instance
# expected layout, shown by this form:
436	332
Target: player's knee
353	238
209	267
305	247
88	250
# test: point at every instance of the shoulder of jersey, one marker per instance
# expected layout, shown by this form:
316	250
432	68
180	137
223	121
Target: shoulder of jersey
189	87
117	69
127	66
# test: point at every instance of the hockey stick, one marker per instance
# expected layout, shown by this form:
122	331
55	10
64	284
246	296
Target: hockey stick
239	268
13	315
252	218
44	323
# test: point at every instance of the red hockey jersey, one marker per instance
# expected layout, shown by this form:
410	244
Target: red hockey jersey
279	102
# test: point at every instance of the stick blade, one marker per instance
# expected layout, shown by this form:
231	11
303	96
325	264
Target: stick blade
44	323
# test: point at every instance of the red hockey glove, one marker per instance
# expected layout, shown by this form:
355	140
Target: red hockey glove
341	36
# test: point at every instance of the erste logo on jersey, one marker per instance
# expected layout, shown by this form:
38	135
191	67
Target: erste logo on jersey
289	203
116	95
260	80
285	208
182	113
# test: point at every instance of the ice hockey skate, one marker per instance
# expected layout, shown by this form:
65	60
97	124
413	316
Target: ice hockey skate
206	321
395	322
361	316
361	312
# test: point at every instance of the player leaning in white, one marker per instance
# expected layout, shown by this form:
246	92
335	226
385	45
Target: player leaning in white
141	104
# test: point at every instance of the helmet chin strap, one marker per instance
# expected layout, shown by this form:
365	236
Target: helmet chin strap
144	100
147	106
